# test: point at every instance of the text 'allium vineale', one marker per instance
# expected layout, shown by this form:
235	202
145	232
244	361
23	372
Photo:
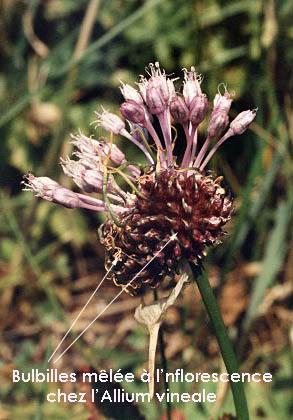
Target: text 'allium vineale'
165	196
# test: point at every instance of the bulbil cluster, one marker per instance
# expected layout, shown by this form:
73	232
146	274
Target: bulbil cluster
165	196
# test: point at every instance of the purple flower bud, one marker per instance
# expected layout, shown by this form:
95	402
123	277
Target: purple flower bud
66	198
88	163
198	109
133	171
179	110
133	112
75	170
242	121
130	93
91	151
88	180
41	186
113	152
218	123
110	122
219	118
222	103
50	190
158	91
165	87
191	87
154	101
93	181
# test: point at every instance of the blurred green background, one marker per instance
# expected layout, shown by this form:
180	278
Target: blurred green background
60	61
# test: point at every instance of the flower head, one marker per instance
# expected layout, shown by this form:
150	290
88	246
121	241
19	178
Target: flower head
165	195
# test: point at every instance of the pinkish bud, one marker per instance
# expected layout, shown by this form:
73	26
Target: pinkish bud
198	109
159	81
219	118
133	171
92	181
154	101
75	170
42	186
133	112
130	93
66	198
113	152
110	122
50	190
191	86
91	151
222	103
88	180
164	86
242	121
218	123
82	142
179	110
157	91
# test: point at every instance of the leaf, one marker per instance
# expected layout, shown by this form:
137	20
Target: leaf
274	255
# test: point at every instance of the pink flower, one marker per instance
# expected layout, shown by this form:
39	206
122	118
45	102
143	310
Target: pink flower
97	164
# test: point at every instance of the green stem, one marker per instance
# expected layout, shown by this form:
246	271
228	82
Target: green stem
227	351
164	365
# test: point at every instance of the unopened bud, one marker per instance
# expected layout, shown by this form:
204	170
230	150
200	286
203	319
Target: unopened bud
157	91
219	118
50	190
113	152
242	121
218	123
191	86
93	181
90	151
87	178
154	101
133	171
222	103
198	109
66	198
130	93
111	122
133	112
179	110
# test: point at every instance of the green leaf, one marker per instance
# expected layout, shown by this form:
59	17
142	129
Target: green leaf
273	259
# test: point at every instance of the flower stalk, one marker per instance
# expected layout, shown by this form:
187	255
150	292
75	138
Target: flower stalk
226	348
164	364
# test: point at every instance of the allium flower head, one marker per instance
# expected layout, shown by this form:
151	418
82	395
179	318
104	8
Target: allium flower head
166	195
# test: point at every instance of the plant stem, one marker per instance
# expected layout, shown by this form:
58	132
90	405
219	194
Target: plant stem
164	365
165	368
227	351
